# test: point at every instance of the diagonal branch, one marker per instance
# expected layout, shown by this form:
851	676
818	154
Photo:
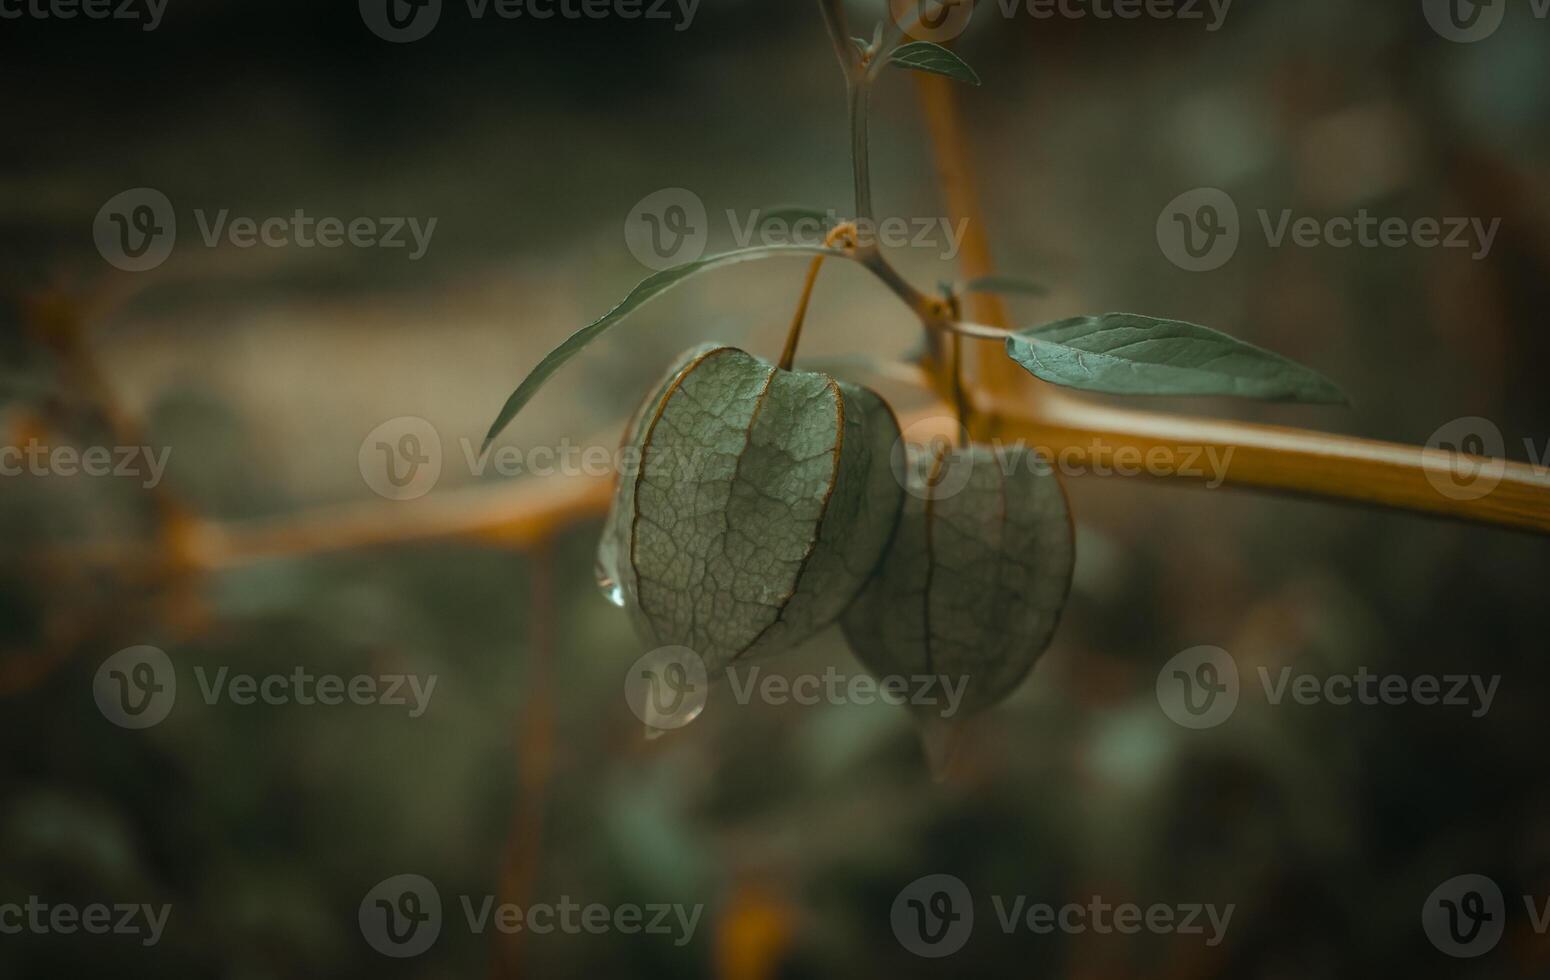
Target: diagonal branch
1084	436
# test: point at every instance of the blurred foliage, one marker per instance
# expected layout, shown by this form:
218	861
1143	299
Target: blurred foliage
796	827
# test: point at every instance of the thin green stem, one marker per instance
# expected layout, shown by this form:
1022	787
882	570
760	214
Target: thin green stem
860	156
934	314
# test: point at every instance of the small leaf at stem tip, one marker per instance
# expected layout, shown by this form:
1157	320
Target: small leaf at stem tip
1129	354
861	46
1005	284
933	58
648	289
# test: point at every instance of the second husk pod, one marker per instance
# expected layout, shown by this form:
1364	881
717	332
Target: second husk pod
758	502
973	583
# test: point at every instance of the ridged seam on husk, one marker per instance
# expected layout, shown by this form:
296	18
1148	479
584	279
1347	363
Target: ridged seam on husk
834	448
823	511
649	411
909	575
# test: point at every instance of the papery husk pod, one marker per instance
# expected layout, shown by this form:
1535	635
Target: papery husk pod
761	501
973	583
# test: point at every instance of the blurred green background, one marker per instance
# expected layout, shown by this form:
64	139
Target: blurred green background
794	827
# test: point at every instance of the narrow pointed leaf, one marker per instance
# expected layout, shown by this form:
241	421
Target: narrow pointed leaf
933	58
1128	354
648	289
861	45
1005	284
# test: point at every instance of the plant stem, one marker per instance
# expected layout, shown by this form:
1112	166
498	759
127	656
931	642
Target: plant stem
960	396
844	232
859	92
839	35
1078	436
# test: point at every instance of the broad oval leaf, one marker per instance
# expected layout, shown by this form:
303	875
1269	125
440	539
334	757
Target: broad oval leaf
1011	285
1129	354
761	501
973	584
929	57
646	290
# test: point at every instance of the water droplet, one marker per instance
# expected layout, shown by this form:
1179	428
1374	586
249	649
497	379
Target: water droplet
609	585
940	740
659	723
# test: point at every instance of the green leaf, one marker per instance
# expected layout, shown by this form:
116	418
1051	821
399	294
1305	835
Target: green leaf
933	58
861	45
648	289
1127	354
1005	284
